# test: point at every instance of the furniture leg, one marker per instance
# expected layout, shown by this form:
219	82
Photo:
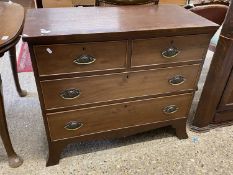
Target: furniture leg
13	159
91	94
13	61
55	150
180	128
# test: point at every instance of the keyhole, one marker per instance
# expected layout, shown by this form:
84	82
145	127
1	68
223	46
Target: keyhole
84	48
172	42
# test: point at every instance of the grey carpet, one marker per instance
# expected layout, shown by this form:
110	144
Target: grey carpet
155	152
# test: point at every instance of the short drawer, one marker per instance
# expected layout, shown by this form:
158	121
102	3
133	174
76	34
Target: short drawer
104	118
94	89
169	50
83	57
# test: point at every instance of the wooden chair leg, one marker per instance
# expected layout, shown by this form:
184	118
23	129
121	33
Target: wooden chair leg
13	61
13	159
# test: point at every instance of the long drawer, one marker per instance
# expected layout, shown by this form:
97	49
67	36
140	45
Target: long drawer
169	49
101	119
82	57
85	90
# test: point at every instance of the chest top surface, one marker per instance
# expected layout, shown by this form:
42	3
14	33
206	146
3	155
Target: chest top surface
91	23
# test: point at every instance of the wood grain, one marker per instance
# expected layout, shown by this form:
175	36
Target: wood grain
117	116
227	98
215	105
11	19
108	55
218	76
56	147
216	80
96	89
113	102
148	51
112	23
223	116
11	25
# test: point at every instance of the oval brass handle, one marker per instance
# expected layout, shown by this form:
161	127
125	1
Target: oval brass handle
73	125
176	80
171	52
170	109
70	94
84	59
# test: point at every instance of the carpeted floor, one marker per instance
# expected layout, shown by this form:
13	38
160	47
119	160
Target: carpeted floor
156	152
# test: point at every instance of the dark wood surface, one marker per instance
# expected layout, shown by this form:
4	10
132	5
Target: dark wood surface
148	51
133	85
108	55
56	147
13	60
227	97
11	22
11	17
96	89
39	3
218	86
112	23
215	83
227	25
13	159
223	117
128	114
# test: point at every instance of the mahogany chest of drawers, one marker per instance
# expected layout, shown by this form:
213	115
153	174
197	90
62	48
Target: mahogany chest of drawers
116	72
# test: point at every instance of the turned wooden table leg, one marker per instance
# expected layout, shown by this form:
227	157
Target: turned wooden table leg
13	159
13	60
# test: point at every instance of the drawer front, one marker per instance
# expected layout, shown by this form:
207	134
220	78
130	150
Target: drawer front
73	58
85	90
169	50
105	118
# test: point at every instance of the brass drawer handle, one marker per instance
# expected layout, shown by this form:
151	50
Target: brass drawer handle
171	52
73	125
84	59
70	94
170	109
176	80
